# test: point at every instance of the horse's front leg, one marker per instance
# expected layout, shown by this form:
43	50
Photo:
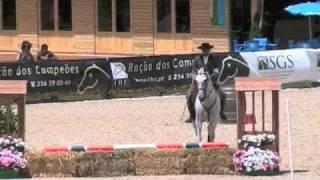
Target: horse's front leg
199	126
213	122
195	127
199	118
211	132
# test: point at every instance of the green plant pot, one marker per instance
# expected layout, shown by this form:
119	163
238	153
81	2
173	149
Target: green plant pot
261	173
10	174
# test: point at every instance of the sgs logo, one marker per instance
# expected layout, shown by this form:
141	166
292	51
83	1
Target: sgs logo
275	62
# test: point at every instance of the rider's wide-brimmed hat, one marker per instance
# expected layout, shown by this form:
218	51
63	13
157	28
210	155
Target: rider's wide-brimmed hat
206	45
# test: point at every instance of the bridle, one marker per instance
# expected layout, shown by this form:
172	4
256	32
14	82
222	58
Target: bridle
204	88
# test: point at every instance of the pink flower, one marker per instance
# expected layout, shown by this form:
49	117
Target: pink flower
264	167
12	159
6	161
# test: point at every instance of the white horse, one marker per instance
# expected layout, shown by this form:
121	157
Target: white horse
207	103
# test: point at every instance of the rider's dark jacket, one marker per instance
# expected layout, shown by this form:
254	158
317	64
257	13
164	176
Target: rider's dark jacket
211	65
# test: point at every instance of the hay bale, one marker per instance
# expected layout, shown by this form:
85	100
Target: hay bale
153	162
42	165
119	163
210	161
131	162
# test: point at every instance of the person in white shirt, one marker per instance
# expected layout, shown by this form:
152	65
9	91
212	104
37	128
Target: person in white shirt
45	54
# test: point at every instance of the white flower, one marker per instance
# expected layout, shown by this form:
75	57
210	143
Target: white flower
256	167
256	140
271	137
6	141
14	109
3	109
20	144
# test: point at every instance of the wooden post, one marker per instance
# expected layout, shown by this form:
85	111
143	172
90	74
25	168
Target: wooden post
253	111
239	118
16	88
243	85
263	113
21	116
275	117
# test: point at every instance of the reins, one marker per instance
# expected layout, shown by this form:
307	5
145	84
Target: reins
207	96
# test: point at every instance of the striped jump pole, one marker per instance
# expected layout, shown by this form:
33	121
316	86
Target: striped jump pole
112	148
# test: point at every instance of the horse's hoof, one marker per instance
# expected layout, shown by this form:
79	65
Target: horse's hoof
224	117
189	120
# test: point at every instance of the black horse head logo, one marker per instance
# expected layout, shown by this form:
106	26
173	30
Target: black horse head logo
232	67
93	75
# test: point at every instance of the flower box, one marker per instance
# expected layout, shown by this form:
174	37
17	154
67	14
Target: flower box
256	161
12	157
10	174
261	173
259	140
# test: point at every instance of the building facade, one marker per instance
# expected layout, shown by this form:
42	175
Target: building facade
133	27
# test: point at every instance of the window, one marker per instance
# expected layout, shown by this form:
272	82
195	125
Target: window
182	16
8	14
105	15
217	12
56	14
65	15
47	14
173	12
123	15
108	12
164	16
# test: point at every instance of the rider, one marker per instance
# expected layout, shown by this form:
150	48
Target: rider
211	64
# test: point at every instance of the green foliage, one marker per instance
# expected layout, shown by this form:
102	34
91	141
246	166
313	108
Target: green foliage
8	118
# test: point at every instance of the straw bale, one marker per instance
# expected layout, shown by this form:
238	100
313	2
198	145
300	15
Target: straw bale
210	161
131	162
58	165
104	165
153	162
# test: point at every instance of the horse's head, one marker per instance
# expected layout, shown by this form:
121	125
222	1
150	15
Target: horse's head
202	79
91	78
232	67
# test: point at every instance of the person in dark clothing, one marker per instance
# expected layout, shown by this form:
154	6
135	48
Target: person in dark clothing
255	31
25	55
268	25
45	54
211	65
